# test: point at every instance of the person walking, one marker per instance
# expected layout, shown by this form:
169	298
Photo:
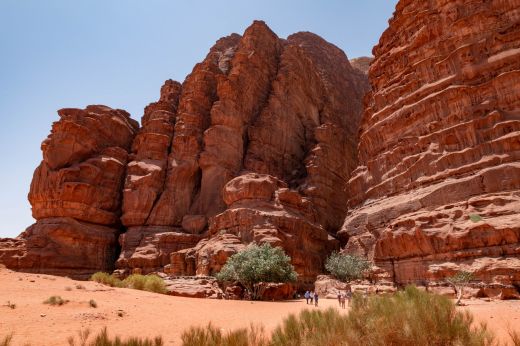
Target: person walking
339	298
316	297
349	296
311	295
342	302
307	295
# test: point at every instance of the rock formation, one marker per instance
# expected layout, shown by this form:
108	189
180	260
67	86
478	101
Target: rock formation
75	195
438	184
261	139
362	63
252	147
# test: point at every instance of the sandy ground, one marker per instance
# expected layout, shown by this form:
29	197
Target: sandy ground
149	314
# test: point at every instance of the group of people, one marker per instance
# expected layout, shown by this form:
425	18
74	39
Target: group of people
342	297
312	296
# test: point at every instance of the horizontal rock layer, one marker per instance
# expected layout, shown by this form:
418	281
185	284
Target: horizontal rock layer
76	195
438	185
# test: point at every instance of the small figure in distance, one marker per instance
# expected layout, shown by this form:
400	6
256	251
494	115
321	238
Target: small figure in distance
307	295
349	295
316	297
311	296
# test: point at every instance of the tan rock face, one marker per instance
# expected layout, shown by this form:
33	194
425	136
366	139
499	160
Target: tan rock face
253	148
438	185
75	195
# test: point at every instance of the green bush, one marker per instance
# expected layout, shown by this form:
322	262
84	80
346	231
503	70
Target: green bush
209	335
459	281
135	281
475	217
155	284
55	300
106	279
257	265
152	283
346	267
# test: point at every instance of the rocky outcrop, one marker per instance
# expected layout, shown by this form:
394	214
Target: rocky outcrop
193	287
251	148
362	63
438	185
76	195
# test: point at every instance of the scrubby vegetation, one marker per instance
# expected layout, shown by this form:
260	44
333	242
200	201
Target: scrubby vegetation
210	335
151	283
102	339
459	281
55	300
92	303
410	317
106	279
11	305
346	267
256	266
6	341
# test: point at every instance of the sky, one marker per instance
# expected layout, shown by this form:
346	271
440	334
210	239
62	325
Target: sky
60	53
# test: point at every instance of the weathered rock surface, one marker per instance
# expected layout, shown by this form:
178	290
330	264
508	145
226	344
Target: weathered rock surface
438	185
251	148
193	287
75	195
362	63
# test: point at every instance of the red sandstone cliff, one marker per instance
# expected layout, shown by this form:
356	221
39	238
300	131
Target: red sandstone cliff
440	145
264	134
254	146
76	195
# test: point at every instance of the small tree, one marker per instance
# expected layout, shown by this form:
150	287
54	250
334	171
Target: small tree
256	266
346	267
459	281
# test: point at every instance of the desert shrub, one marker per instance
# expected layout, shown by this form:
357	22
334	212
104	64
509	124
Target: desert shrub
412	317
92	303
68	288
106	279
135	281
155	284
6	340
257	265
346	267
312	327
210	335
102	339
459	281
80	287
55	300
475	217
151	283
11	305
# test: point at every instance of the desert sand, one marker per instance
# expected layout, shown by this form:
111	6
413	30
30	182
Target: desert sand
149	314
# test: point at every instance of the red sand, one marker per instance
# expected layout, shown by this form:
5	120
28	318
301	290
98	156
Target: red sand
149	314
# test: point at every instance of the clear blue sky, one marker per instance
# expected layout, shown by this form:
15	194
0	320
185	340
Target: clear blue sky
64	53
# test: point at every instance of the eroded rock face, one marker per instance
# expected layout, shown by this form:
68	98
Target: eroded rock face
253	148
438	185
75	195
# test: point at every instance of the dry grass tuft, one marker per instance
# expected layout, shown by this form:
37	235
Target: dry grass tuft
55	300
